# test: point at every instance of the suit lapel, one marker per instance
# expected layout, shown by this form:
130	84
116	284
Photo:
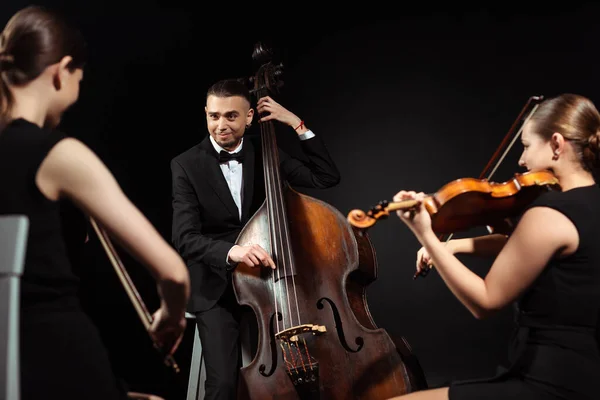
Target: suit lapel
210	165
248	178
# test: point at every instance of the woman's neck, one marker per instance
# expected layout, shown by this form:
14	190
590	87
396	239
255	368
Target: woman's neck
576	177
29	105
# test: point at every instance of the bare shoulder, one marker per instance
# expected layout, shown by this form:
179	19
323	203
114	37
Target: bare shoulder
541	234
547	227
67	150
70	165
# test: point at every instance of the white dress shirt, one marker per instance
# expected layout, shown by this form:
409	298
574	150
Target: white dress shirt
233	173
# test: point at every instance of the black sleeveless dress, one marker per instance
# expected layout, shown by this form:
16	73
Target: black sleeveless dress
62	355
555	349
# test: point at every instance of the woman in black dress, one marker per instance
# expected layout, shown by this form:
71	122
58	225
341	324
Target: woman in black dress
61	353
549	266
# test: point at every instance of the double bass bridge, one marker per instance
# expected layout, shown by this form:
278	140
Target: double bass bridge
291	334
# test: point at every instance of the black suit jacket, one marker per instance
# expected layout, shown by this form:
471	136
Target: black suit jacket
206	220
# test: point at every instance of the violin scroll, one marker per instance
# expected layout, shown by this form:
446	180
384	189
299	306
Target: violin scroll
362	220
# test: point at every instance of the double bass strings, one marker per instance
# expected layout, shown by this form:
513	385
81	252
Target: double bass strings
281	249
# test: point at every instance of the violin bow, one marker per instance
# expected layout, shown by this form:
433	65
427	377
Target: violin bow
131	290
533	102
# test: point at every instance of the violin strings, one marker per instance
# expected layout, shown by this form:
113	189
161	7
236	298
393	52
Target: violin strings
510	145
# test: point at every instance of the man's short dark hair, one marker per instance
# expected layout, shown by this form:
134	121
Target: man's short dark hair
228	88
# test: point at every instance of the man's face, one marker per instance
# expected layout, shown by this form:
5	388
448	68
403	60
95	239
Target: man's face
226	118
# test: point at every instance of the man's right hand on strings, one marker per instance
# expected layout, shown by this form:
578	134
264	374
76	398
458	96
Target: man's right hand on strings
251	255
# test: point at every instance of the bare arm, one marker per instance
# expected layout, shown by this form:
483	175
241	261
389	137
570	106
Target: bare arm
72	170
483	246
540	234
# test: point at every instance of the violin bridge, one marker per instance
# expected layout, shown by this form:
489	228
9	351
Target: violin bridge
291	334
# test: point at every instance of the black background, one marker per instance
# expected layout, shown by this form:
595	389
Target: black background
409	102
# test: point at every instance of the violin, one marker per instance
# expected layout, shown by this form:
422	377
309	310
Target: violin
356	216
468	202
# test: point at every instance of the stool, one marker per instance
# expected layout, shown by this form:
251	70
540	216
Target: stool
197	371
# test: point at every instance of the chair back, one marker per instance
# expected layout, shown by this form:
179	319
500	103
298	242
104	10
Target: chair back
14	230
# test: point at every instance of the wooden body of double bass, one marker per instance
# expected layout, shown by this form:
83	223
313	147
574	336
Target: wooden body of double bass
347	356
356	288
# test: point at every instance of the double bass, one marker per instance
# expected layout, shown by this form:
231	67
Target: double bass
316	338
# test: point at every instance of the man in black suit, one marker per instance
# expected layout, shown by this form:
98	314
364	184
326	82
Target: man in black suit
215	193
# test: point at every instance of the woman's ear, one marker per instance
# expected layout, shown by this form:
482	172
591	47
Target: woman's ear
557	142
61	72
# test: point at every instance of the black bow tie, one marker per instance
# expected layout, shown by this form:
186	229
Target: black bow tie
225	156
